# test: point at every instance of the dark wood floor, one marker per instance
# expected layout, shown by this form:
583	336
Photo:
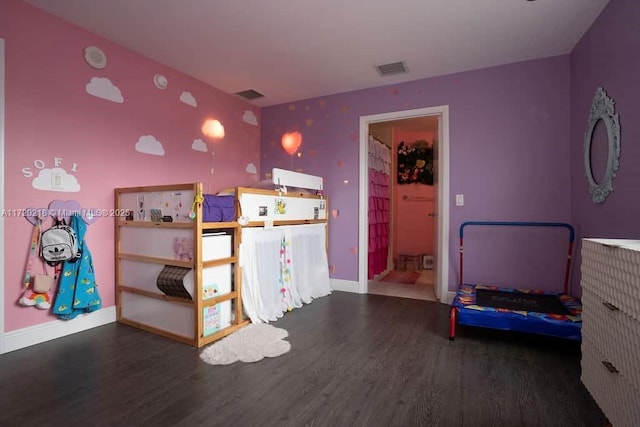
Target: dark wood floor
356	360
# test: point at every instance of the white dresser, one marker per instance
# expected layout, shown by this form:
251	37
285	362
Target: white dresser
611	327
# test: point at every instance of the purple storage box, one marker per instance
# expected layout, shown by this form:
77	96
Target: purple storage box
218	208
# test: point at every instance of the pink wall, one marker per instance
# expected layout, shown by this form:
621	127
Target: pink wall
50	115
414	229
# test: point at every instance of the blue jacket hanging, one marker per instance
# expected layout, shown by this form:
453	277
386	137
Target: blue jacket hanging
77	290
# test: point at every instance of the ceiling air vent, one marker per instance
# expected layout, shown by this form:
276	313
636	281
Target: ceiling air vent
250	94
393	68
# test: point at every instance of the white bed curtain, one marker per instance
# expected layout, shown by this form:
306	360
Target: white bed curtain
282	268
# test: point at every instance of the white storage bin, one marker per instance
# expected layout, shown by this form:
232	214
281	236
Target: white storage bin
216	281
216	246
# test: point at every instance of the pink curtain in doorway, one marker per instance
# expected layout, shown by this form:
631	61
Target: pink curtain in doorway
379	205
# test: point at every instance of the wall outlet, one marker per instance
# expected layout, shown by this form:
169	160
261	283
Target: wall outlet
459	199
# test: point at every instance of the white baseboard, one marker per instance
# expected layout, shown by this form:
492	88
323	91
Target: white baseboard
37	334
344	285
450	297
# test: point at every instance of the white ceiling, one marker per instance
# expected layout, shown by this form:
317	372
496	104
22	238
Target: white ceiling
297	49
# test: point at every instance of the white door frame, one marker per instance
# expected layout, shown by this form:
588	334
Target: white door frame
442	251
2	347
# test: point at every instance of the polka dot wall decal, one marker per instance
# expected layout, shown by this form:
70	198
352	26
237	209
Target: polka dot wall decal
274	143
332	269
353	136
353	250
300	170
335	213
306	108
278	130
292	107
344	109
395	91
312	153
322	103
309	122
340	164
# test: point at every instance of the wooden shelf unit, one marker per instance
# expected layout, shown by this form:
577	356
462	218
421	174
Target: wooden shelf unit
152	310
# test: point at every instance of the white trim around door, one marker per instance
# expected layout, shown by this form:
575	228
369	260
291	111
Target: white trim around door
442	279
2	348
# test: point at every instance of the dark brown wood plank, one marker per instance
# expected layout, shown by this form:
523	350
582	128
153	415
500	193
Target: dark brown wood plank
356	360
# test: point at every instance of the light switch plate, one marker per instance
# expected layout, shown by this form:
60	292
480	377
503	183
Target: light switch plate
57	181
459	199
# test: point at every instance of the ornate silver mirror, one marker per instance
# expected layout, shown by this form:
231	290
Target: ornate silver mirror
602	146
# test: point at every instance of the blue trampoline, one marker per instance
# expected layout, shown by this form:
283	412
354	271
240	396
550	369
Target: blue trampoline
534	311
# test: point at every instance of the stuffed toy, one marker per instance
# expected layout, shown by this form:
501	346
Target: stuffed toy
34	299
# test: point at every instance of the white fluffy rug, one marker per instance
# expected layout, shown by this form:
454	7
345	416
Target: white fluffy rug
249	344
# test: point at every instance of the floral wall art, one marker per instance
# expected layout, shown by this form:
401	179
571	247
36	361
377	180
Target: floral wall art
415	163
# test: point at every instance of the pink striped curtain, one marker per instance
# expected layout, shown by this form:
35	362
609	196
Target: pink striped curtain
379	205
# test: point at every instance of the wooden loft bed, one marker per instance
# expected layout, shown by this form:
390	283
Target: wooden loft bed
142	304
200	249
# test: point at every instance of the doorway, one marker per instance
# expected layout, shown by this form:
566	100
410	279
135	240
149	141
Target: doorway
438	197
408	212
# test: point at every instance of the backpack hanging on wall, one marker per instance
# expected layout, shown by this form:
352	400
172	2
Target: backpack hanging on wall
59	243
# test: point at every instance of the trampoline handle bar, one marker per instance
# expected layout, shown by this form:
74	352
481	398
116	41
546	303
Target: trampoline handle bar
572	232
572	235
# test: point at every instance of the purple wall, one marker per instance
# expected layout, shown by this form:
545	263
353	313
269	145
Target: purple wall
509	156
607	56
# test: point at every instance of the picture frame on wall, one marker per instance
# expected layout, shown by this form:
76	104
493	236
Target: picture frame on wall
156	215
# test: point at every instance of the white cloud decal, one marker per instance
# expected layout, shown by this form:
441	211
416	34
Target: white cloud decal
250	117
103	88
251	168
199	145
188	99
149	145
56	179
